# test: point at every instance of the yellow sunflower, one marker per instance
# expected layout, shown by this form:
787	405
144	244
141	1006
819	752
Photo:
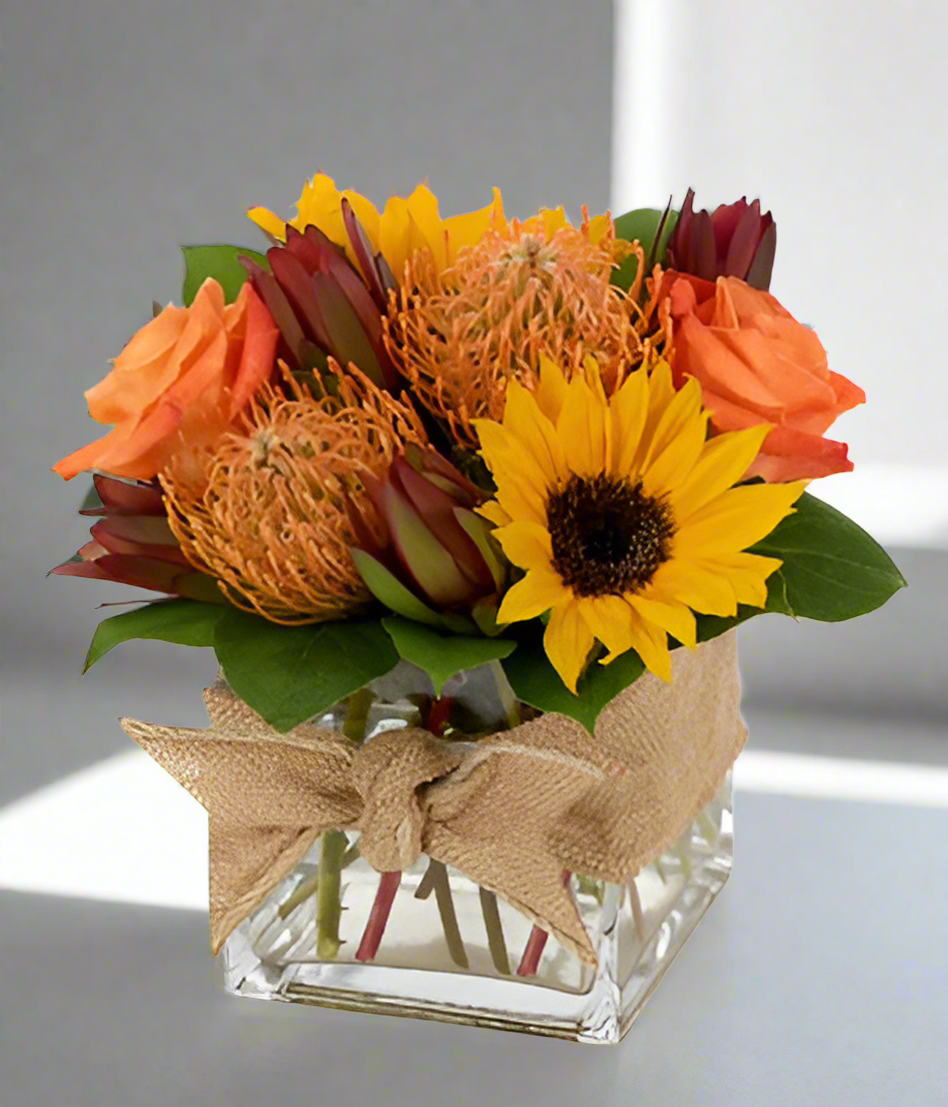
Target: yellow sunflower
406	224
624	514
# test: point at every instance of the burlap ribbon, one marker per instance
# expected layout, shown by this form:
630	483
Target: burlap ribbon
512	811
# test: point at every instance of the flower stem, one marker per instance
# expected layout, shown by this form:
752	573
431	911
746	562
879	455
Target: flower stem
334	851
378	916
495	931
328	893
449	919
532	952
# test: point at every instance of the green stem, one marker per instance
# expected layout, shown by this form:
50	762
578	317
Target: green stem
449	919
328	893
335	852
495	931
357	714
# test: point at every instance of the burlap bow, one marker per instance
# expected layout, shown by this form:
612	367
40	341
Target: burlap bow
512	811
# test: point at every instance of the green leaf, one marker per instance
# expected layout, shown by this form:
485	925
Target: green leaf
536	682
219	262
443	656
184	622
289	674
833	569
642	225
388	589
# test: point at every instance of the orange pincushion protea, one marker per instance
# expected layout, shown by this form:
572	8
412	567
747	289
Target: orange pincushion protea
272	520
520	292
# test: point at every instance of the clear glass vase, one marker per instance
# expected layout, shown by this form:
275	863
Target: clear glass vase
430	943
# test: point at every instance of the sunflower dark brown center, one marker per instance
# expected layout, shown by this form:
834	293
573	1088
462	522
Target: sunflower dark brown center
608	536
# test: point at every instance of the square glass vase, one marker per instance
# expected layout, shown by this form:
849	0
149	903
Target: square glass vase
430	943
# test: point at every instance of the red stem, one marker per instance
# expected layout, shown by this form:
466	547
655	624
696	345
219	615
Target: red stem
378	916
532	952
438	714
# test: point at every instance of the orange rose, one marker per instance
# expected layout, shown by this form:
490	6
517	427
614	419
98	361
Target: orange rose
178	384
757	364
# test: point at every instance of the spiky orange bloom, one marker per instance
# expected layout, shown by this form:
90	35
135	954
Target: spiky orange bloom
272	521
516	294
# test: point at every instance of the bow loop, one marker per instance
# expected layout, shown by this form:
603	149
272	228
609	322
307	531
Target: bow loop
389	772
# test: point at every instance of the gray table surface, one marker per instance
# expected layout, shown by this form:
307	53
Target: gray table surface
819	977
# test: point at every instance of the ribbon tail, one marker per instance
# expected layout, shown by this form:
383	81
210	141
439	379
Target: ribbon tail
245	865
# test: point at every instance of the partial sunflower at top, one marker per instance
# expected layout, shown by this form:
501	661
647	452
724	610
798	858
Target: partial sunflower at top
406	224
624	515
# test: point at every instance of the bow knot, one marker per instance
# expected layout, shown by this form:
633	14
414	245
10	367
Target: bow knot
389	772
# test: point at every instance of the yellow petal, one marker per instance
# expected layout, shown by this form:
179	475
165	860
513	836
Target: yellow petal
524	421
422	206
723	461
552	219
320	204
683	408
539	590
584	429
676	618
599	227
748	574
399	235
511	461
269	222
628	412
493	512
465	230
651	644
526	544
567	642
661	392
669	468
737	518
692	583
551	392
609	619
520	502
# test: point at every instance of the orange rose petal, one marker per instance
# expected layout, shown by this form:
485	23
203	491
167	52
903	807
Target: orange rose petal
790	454
848	395
259	351
136	378
89	457
721	360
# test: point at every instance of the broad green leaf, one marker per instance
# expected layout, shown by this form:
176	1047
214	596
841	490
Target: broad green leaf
443	656
641	224
184	622
833	569
536	682
219	262
289	674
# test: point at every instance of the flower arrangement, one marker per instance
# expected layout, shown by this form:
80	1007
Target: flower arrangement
569	452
